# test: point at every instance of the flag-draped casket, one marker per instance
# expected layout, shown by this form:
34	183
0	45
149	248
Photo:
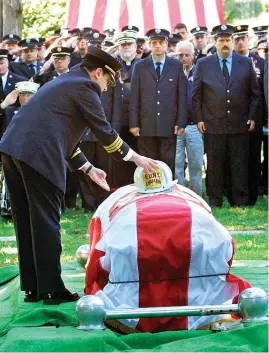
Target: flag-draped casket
166	249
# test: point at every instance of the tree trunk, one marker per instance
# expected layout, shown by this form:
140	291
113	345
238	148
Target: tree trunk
10	17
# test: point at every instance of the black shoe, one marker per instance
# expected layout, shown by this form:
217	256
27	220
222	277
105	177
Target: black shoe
32	297
60	297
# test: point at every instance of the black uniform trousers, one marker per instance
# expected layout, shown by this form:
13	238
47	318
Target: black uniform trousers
70	196
218	148
122	171
35	204
254	165
92	194
159	148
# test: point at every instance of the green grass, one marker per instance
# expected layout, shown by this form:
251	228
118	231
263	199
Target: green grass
75	226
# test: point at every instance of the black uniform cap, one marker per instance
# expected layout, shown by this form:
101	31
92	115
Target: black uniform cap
96	38
158	33
130	28
61	51
174	38
260	30
105	60
111	31
107	43
30	43
199	30
11	38
222	30
240	31
3	54
74	32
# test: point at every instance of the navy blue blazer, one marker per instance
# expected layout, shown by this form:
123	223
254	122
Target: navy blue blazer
22	69
46	131
225	109
156	106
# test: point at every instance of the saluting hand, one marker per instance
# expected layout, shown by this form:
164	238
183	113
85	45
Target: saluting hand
10	99
201	127
99	177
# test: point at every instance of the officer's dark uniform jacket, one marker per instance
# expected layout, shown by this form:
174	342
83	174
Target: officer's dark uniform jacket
156	106
121	96
6	115
225	108
22	69
46	131
46	77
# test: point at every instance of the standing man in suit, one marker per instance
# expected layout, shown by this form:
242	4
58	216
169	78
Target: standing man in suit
199	41
29	65
225	99
35	150
241	44
158	101
8	81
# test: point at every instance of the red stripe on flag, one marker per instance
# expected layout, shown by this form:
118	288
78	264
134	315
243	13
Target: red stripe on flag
99	15
147	9
164	251
200	12
220	9
174	13
73	7
96	276
124	15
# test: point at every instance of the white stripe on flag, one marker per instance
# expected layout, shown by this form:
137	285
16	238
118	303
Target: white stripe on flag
120	260
211	14
86	12
188	13
112	15
161	14
211	250
136	17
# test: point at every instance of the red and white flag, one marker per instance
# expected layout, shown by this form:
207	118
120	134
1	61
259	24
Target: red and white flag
167	249
145	14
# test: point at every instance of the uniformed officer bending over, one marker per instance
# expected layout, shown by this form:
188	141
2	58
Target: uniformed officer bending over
39	142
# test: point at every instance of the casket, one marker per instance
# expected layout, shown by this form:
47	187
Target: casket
163	249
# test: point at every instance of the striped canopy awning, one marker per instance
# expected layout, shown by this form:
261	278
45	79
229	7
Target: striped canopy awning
145	14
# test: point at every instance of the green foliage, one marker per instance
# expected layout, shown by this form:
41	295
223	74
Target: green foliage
42	18
241	10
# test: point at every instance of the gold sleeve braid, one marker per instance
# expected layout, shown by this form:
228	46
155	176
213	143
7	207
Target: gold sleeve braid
115	146
77	151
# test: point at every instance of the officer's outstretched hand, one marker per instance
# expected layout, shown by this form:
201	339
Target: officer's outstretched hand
146	163
99	177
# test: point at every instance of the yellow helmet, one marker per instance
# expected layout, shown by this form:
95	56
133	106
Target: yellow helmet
159	180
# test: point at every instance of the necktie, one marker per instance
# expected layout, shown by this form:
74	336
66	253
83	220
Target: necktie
31	69
225	71
158	70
